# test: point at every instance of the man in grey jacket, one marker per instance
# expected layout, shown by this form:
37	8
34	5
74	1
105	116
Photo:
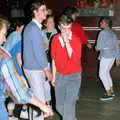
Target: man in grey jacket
34	57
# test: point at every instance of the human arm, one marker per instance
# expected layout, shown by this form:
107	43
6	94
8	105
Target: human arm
53	73
9	72
117	51
12	80
19	59
66	38
99	41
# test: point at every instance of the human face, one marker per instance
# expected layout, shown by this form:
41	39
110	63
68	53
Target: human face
20	28
103	24
3	32
64	28
50	23
74	16
41	13
65	32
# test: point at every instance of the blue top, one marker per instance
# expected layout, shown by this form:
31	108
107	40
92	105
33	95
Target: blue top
14	51
2	89
107	44
13	45
34	56
11	82
12	39
2	85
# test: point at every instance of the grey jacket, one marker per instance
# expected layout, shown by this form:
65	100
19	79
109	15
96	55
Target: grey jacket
107	44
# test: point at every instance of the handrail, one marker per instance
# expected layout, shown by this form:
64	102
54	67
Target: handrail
117	28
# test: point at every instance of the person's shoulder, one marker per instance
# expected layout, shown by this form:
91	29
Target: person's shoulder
31	25
76	24
76	38
11	35
56	36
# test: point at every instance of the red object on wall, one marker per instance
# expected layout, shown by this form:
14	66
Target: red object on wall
81	4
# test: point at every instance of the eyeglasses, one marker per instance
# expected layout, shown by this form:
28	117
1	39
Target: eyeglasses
43	10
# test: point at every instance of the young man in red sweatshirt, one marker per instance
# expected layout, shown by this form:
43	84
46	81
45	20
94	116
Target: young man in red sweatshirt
66	68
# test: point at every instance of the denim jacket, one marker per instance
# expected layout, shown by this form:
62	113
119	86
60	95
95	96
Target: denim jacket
107	44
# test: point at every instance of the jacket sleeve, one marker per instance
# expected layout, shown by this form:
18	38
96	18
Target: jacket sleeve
99	41
117	48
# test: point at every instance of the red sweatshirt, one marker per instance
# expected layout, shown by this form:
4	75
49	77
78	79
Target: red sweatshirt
64	64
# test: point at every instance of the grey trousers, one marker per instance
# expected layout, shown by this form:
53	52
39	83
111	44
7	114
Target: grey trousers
36	80
66	93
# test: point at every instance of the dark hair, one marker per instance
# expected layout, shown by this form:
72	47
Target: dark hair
35	5
70	10
63	19
14	24
107	20
18	23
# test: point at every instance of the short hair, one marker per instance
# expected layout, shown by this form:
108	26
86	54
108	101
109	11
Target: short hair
35	5
107	20
14	24
3	21
63	19
70	10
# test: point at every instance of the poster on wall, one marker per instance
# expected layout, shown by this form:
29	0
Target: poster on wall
96	7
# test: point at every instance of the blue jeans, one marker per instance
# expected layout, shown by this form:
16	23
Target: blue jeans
3	112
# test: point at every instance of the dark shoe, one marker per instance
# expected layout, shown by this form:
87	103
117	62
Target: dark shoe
106	97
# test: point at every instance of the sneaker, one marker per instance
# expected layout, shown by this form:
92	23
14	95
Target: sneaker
106	97
113	94
24	114
12	118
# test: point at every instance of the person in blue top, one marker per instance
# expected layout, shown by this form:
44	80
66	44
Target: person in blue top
107	44
11	82
14	46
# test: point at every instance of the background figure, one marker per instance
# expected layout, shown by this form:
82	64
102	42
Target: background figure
66	69
3	111
77	30
49	31
49	11
76	27
34	56
11	82
107	44
13	45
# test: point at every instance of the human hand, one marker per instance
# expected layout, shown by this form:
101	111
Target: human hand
66	37
53	82
48	111
89	45
48	74
117	63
